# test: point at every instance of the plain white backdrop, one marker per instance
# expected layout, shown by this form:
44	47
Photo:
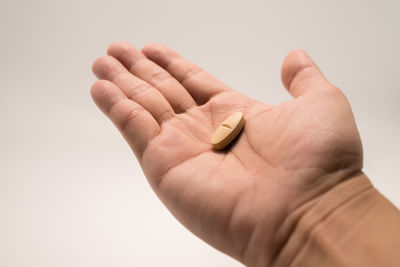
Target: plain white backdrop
71	192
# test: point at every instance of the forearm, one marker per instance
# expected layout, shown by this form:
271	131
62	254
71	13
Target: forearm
351	225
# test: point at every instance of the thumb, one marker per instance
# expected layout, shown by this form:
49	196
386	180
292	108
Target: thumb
300	75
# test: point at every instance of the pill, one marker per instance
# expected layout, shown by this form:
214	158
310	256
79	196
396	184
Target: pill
228	130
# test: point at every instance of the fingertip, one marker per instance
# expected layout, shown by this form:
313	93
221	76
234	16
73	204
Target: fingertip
98	89
95	65
152	48
159	53
107	68
118	46
294	62
124	52
104	93
102	66
95	89
301	75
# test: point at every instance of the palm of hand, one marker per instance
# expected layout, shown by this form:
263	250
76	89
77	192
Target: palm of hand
277	163
277	154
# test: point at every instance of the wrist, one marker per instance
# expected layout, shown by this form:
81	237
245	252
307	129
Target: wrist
350	225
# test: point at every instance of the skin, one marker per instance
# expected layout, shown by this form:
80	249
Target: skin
252	200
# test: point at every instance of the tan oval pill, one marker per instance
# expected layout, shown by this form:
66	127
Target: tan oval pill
228	130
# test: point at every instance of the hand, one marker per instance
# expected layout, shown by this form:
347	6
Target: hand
245	199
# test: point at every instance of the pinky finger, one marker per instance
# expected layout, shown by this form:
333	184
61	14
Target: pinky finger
136	124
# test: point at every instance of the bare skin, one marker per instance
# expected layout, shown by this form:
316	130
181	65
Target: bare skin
247	199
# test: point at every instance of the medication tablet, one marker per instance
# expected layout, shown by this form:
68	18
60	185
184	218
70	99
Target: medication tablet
228	130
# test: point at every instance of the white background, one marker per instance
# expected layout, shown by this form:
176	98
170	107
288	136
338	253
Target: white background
71	192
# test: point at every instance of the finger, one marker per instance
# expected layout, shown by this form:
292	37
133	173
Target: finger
135	123
108	68
301	75
153	74
200	84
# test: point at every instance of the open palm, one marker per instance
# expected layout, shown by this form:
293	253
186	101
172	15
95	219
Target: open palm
239	199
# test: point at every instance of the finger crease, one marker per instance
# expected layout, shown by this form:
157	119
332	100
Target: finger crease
138	90
160	77
134	114
164	116
190	74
